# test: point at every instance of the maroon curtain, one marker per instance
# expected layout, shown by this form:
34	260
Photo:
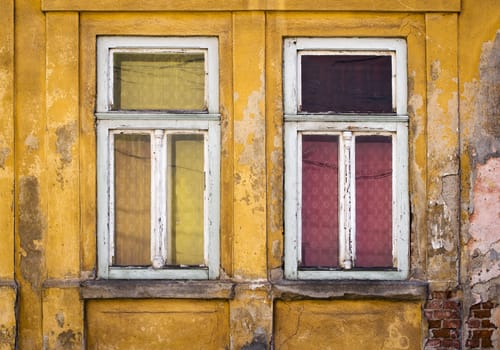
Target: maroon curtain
319	200
374	201
346	84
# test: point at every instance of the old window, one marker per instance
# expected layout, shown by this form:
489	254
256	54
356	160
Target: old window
158	157
346	173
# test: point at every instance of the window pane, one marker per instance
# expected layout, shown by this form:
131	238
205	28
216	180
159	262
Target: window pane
346	83
187	183
319	200
132	168
374	201
159	81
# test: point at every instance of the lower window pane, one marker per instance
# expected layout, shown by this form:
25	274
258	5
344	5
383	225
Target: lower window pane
319	201
186	181
374	201
132	168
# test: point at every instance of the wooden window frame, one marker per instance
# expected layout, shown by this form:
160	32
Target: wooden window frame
346	127
157	124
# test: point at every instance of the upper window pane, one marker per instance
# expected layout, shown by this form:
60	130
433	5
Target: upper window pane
159	80
346	83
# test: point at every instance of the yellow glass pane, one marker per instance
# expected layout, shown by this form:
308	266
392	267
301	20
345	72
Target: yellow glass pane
132	153
185	203
159	81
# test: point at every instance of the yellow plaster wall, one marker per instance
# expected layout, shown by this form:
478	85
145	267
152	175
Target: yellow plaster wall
347	325
155	324
49	176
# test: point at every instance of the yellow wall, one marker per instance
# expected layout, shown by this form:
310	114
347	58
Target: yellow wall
48	176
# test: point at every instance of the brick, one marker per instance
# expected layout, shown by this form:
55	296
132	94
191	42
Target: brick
451	344
486	343
473	343
441	333
483	334
446	314
482	313
475	307
434	323
454	333
433	343
429	314
488	305
474	323
487	324
451	305
451	323
434	304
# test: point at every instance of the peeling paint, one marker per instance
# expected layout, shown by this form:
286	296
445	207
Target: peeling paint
31	142
68	340
4	153
31	228
65	139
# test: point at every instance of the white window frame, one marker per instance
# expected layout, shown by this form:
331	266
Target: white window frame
158	124
346	127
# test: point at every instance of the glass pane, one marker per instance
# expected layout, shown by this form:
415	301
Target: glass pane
159	81
132	199
374	201
319	200
187	184
346	83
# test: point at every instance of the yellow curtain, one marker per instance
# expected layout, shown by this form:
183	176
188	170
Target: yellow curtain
186	179
132	199
159	81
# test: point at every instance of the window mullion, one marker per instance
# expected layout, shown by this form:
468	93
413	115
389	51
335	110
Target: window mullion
158	202
346	202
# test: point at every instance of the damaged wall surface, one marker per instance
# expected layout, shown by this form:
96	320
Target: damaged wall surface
50	294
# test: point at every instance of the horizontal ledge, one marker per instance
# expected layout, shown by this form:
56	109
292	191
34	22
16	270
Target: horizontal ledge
253	5
8	284
134	289
394	290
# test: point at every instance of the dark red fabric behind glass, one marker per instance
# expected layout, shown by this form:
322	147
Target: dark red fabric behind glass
373	201
346	83
319	200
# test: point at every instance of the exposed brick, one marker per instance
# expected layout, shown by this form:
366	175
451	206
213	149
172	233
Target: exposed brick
429	314
487	324
451	323
434	304
451	344
451	305
441	333
454	333
482	313
486	343
433	343
483	334
473	343
434	323
474	323
488	305
446	314
475	307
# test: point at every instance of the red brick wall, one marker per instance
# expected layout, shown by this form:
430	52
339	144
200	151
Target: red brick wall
442	312
480	326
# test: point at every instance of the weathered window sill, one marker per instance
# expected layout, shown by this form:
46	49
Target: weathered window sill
393	290
144	289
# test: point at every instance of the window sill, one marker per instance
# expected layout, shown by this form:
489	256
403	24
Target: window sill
393	290
144	289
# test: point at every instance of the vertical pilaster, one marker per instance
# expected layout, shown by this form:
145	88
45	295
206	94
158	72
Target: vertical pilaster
30	162
251	309
62	307
442	149
8	288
